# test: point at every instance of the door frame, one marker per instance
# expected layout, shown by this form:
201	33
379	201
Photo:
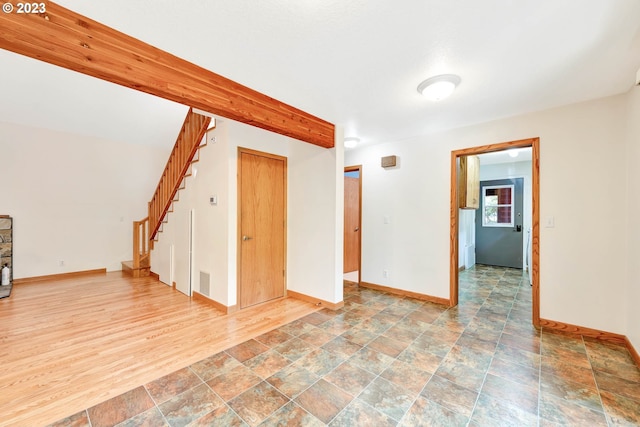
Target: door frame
534	143
239	223
191	250
359	169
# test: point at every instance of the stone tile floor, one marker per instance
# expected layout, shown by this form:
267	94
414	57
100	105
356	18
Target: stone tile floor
385	360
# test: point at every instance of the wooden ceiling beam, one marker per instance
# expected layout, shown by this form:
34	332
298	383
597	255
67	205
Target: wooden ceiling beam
67	39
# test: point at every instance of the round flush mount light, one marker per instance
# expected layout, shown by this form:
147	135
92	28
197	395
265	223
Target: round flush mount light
351	142
439	87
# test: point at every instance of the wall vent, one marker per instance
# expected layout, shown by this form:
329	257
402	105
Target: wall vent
205	283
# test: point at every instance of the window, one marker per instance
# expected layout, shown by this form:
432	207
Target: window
497	206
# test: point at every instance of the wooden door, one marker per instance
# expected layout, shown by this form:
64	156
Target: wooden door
351	224
262	209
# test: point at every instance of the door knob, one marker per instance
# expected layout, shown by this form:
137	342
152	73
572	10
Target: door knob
357	229
245	238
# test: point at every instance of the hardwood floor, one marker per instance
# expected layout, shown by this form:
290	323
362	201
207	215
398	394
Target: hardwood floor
70	344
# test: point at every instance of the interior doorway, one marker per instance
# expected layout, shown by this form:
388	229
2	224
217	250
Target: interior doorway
352	253
262	190
534	235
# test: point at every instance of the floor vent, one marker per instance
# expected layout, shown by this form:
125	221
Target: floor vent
205	283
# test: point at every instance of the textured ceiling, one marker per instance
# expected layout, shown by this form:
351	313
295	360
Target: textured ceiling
355	63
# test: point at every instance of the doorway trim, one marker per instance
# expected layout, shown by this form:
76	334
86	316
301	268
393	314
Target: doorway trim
534	143
358	168
191	250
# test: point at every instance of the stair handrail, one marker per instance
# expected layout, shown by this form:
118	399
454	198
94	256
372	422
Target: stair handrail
193	130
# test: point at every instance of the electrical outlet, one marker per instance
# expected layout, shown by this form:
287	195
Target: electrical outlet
61	263
385	274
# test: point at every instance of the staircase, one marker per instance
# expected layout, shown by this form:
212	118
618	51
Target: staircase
173	179
140	266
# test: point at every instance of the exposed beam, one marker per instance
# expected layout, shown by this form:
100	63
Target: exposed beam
67	39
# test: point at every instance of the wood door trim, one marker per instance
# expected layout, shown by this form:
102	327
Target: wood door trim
60	276
598	334
239	219
404	293
359	169
634	353
197	296
534	143
320	303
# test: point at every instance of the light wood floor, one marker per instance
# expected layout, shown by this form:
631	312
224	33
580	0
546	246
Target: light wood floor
70	344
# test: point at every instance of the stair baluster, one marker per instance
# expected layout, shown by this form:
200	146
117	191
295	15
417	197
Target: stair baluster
171	181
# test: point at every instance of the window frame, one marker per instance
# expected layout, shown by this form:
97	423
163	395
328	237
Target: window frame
511	205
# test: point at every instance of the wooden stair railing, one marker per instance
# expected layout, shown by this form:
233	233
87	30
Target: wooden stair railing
185	148
141	250
172	179
141	264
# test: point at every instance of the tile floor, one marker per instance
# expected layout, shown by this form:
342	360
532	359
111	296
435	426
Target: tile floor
351	276
385	360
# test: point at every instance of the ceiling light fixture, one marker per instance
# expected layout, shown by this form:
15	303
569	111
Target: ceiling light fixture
351	142
439	87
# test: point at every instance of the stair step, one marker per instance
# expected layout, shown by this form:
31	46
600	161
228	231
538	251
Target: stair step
127	268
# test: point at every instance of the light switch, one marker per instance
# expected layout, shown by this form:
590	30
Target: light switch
213	200
551	222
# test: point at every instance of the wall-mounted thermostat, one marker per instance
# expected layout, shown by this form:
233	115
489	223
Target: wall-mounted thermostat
388	162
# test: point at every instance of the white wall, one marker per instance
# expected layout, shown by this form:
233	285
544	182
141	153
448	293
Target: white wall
315	221
403	230
632	296
583	259
312	230
210	176
73	198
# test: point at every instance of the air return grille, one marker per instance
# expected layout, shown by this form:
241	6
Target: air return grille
205	283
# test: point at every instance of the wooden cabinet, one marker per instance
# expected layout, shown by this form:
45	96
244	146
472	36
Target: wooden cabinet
469	182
